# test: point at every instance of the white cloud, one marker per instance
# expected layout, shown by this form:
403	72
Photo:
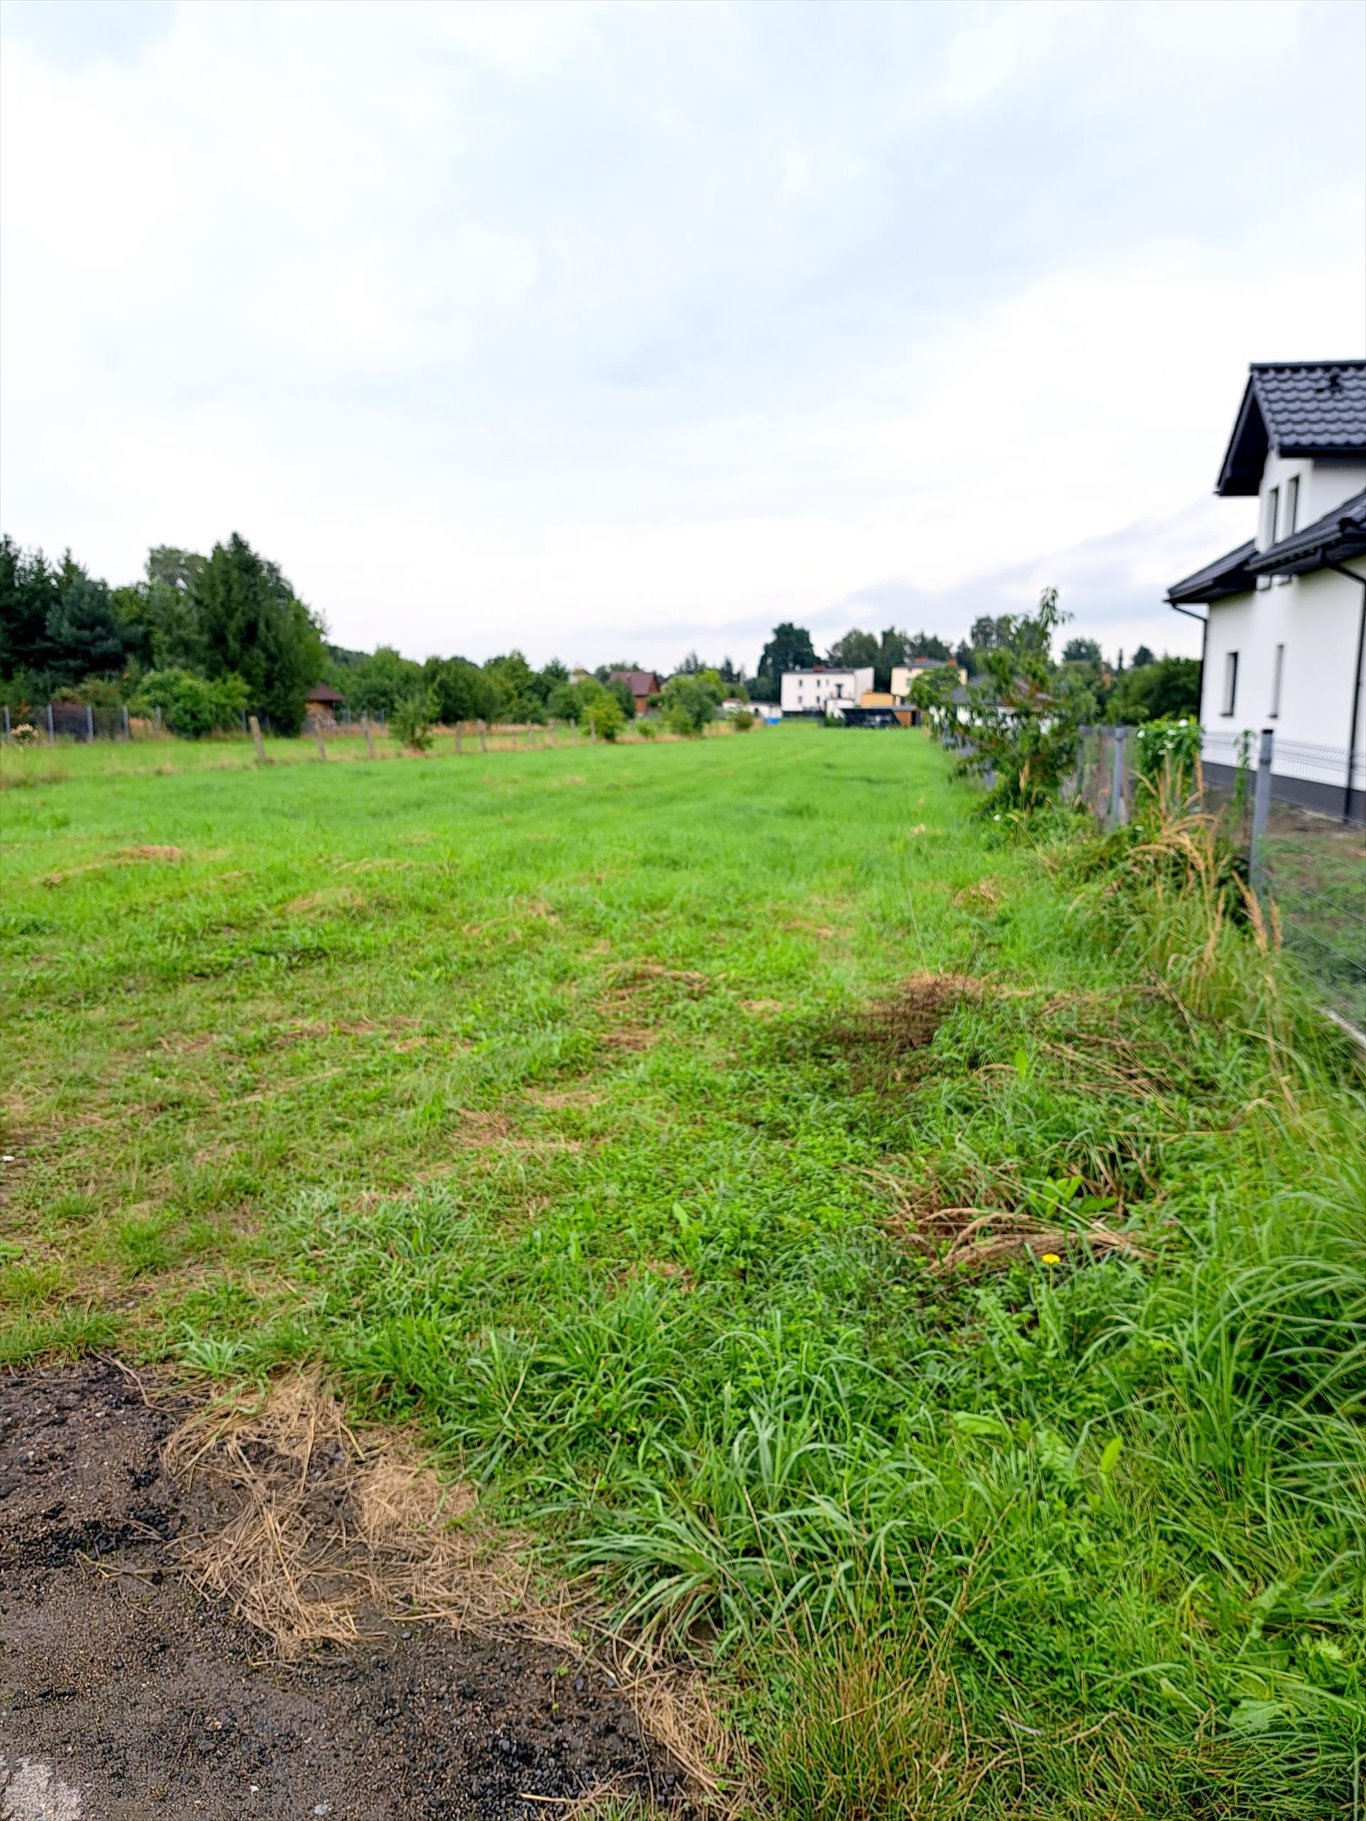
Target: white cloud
491	325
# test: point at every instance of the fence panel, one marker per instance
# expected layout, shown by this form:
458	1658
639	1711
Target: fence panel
1312	864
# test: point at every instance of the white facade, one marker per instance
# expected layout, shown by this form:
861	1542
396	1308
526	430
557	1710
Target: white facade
821	691
903	675
1284	655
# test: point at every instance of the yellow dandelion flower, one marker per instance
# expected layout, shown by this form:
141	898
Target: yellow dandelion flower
1050	1258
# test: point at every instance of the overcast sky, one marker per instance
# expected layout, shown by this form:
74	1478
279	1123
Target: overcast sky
612	331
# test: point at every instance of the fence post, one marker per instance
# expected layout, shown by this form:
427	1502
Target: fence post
483	736
1119	809
318	735
90	723
127	730
369	733
458	726
51	731
1261	803
255	726
6	710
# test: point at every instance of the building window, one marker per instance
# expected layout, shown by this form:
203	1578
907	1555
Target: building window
1269	508
1290	511
1230	683
1277	667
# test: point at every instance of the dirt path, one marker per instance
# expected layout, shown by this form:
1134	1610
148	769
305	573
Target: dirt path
126	1693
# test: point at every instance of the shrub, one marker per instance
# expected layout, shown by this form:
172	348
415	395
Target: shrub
690	700
603	716
742	720
412	720
190	705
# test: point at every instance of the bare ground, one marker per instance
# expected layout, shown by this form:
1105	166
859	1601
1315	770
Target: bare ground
126	1690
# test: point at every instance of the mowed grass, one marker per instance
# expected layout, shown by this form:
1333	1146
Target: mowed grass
592	1107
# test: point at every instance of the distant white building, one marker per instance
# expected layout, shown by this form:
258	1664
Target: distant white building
822	690
903	675
1285	613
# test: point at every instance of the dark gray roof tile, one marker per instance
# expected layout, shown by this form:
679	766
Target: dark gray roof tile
1298	407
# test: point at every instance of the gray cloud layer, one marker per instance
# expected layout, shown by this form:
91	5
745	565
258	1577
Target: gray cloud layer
603	328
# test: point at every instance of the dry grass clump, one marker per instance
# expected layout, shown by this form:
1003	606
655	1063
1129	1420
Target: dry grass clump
126	856
319	1533
978	1236
325	1533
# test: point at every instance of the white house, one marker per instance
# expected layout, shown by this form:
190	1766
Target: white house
822	690
903	675
1285	613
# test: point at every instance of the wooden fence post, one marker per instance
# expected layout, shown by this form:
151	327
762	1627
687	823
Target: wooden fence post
255	726
483	735
318	735
51	731
458	726
369	734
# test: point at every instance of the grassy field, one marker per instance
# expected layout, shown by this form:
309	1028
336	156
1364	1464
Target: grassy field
914	1283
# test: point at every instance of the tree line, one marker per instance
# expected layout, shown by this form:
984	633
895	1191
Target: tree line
202	641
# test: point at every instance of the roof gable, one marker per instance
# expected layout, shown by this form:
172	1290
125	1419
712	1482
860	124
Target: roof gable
1305	407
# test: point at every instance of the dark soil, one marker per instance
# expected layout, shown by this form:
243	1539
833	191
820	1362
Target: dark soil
125	1693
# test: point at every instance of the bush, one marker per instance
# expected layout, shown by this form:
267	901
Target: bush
603	716
742	720
412	719
690	700
190	705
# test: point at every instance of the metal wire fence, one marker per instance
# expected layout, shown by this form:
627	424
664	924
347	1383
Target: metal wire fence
1296	814
49	722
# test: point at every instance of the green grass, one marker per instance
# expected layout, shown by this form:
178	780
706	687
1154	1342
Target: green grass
536	1095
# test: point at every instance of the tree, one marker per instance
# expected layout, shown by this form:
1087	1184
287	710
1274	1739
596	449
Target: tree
603	716
381	681
854	650
1142	658
925	645
1081	651
691	699
1024	724
253	625
519	699
29	590
618	688
81	635
790	648
462	691
964	657
1168	688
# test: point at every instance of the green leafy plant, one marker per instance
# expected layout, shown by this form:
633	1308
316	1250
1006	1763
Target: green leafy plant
412	721
603	716
190	705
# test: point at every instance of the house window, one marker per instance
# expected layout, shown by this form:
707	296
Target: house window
1277	667
1230	683
1269	508
1290	511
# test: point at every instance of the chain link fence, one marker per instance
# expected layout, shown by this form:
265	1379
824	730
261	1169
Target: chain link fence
1296	814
